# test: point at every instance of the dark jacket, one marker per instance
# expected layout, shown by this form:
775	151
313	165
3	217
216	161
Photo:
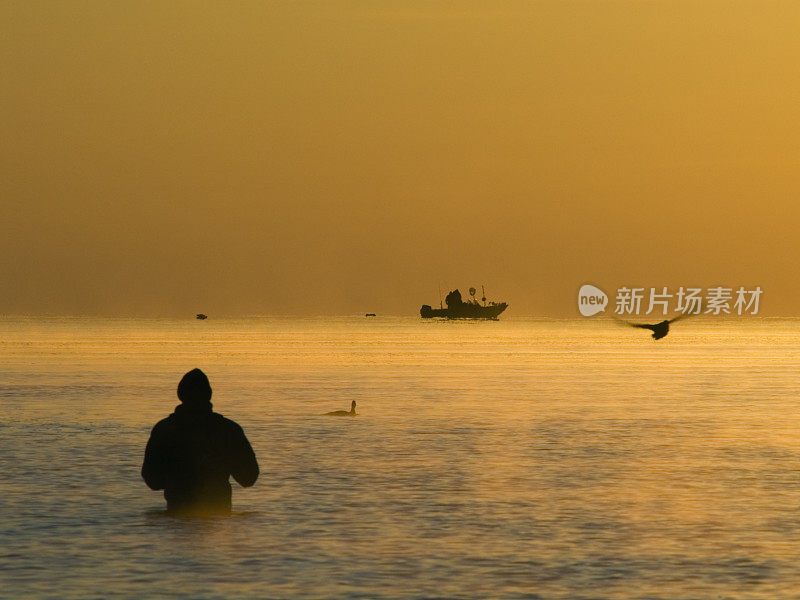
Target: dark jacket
191	454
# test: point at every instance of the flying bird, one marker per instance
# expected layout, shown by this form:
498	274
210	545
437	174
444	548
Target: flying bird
659	329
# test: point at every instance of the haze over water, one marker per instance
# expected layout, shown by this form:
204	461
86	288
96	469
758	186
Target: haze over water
303	158
510	459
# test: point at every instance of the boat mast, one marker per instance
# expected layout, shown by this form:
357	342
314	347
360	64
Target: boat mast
483	294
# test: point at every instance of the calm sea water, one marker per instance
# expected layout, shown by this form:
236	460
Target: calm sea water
510	459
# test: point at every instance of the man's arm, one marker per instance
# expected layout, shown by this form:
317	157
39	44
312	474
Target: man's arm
244	466
153	469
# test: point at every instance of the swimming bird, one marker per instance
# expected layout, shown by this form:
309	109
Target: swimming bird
343	413
659	329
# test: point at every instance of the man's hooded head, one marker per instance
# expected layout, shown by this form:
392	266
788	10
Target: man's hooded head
194	390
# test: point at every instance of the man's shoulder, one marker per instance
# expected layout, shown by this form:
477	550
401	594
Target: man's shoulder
163	424
227	423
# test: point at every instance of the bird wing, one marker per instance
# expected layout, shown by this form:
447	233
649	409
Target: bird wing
639	325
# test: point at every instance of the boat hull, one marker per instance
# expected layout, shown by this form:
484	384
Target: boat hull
464	311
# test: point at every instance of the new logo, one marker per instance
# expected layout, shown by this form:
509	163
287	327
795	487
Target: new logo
591	300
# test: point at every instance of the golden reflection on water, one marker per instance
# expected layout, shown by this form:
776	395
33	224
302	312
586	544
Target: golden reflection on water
565	459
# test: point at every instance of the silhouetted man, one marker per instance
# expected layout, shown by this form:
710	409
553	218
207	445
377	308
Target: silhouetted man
192	453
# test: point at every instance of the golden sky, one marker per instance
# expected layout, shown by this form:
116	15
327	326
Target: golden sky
339	157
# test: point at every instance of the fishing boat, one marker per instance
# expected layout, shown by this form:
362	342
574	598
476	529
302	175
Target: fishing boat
458	309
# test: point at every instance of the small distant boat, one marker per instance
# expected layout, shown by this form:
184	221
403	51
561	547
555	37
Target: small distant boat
201	316
369	315
458	309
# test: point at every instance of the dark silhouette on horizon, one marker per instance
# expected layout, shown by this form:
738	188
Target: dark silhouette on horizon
343	413
659	330
193	452
458	309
